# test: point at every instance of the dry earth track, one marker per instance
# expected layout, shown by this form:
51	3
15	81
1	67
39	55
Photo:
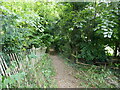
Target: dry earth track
64	73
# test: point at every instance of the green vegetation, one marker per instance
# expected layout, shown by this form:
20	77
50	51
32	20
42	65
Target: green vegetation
81	31
85	32
39	73
34	73
92	76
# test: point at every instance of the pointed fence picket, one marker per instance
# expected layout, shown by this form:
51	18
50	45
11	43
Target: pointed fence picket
3	64
17	58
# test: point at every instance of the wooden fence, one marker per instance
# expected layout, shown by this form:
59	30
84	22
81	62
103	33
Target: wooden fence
8	59
14	58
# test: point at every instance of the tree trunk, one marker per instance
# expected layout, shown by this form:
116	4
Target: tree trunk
115	51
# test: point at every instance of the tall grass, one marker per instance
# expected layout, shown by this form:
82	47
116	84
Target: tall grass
34	73
39	73
92	76
96	77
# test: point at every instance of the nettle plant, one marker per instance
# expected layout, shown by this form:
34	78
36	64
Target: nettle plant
23	28
12	38
12	81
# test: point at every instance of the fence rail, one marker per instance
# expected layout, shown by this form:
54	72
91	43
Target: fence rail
4	65
14	58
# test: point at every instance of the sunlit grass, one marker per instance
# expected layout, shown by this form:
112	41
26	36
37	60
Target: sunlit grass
96	77
39	73
92	76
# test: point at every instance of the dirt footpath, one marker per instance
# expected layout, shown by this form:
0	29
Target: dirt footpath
64	73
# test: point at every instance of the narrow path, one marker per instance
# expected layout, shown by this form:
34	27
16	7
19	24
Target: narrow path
64	73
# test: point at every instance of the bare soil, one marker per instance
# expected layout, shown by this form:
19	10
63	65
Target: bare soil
64	73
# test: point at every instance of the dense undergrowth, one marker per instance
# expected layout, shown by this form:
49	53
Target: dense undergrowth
96	77
35	73
81	31
92	76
